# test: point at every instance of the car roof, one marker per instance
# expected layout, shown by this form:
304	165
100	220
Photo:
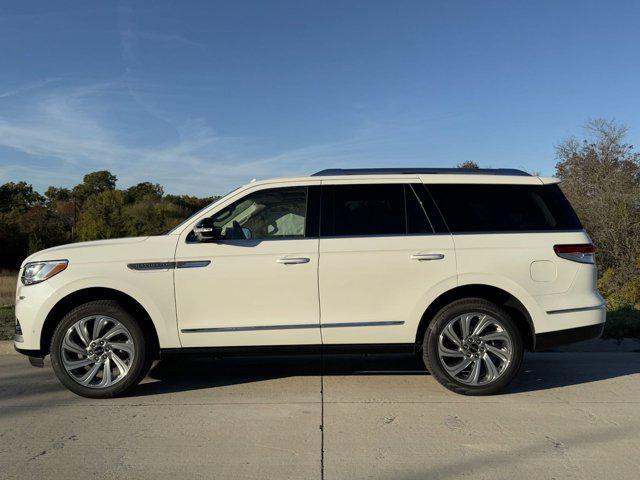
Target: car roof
425	175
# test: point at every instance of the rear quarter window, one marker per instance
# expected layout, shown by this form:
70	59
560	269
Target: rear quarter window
504	208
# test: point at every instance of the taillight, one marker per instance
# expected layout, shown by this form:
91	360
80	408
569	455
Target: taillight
583	253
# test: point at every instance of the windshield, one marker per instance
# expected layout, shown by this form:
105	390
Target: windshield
188	219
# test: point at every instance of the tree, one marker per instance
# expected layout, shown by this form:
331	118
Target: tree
54	194
468	164
94	183
103	216
18	197
152	217
144	190
601	177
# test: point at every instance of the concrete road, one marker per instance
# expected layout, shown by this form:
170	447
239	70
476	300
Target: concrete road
569	415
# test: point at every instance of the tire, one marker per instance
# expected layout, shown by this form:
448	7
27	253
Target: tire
82	368
498	339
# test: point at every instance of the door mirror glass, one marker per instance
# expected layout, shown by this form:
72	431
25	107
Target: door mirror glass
205	230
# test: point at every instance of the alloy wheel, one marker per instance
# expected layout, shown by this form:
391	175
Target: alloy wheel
97	351
475	348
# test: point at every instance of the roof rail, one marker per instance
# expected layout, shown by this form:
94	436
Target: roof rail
330	172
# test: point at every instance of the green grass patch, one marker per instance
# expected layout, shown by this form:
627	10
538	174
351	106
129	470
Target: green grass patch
623	323
7	323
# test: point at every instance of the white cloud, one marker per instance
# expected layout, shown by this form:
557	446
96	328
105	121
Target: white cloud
25	88
67	128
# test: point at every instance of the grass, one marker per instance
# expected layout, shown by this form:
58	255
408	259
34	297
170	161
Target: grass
7	299
7	323
622	323
7	287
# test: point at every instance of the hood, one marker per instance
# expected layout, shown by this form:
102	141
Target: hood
65	251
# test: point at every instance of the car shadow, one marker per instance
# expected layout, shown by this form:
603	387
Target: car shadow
540	371
543	371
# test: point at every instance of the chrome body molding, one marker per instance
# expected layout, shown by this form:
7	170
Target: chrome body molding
360	324
193	263
289	327
151	265
579	309
168	265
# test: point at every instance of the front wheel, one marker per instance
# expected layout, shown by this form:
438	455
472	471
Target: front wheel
99	351
473	347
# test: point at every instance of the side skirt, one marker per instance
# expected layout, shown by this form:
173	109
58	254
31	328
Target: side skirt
261	350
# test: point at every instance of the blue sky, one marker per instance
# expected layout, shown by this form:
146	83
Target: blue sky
203	96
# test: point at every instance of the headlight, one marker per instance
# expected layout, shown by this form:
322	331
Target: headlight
36	272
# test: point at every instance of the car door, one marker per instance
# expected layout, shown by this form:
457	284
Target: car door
381	256
258	283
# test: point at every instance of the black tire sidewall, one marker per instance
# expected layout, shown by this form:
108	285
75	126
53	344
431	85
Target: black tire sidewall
113	309
459	307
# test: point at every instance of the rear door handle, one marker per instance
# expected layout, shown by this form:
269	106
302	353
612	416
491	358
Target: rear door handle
427	256
293	260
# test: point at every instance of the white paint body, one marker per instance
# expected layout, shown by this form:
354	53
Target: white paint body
347	280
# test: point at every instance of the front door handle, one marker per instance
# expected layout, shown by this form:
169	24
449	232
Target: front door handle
427	256
293	260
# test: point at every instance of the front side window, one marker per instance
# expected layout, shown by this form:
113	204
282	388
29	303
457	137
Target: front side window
276	213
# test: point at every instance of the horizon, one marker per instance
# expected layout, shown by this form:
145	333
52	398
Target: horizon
205	98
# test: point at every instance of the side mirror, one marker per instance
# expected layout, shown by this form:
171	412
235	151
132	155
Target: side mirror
205	230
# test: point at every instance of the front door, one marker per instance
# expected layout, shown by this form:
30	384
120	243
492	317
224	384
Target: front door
258	284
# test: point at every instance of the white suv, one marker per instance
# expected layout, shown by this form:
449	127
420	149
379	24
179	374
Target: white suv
467	268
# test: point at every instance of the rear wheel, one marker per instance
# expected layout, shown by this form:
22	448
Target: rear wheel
473	347
98	350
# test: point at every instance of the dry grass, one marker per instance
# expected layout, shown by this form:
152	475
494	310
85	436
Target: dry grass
7	287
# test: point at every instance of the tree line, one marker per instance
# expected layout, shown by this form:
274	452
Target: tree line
94	209
600	175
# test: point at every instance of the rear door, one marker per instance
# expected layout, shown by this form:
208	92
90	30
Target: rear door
380	256
505	236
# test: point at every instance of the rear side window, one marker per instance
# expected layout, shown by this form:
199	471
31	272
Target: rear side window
504	208
372	209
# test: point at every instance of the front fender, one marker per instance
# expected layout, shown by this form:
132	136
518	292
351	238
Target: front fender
152	290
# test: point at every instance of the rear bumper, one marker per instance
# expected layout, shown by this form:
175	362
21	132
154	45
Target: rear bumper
548	340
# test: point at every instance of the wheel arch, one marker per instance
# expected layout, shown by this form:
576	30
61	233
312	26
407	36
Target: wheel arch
78	297
500	297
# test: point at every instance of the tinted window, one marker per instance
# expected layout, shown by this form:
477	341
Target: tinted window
266	214
375	209
481	208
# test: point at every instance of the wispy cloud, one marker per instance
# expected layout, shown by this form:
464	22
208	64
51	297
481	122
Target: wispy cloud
67	128
29	86
170	38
